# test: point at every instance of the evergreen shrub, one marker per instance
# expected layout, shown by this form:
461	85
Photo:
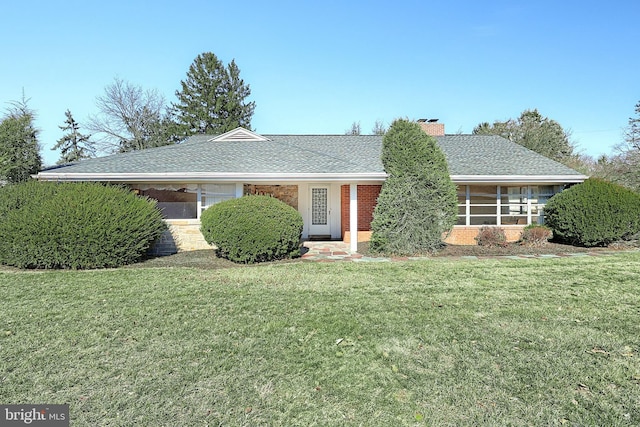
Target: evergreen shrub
418	203
536	235
594	213
253	229
491	236
75	225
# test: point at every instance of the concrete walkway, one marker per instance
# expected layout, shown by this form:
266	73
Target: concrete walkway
333	251
339	251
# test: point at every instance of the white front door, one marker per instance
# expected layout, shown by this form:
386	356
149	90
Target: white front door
320	224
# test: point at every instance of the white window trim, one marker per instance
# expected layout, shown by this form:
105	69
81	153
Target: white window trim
528	194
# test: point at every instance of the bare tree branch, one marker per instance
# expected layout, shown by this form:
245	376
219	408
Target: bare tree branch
130	118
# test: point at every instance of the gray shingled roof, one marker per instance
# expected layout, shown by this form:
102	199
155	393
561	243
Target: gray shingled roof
494	155
327	154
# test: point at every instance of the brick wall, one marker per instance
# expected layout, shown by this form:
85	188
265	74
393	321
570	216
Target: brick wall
363	236
433	129
367	199
461	235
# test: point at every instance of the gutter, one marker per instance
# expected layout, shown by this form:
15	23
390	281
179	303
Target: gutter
209	177
518	179
203	177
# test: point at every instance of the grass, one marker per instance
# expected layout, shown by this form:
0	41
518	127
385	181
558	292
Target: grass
437	343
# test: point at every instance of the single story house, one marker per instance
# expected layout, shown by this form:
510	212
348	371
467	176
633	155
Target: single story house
332	180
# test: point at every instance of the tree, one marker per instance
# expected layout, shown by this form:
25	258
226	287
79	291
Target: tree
355	129
379	128
623	167
418	202
632	132
212	100
19	147
131	118
73	145
535	132
627	162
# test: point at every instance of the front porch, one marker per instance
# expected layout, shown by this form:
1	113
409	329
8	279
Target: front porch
330	210
334	210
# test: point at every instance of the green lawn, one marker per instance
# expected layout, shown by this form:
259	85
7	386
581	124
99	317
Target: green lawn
438	342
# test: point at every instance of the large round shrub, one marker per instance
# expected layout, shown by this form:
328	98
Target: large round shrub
75	225
253	229
594	213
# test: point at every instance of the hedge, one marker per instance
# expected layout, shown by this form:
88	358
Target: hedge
75	225
253	229
594	213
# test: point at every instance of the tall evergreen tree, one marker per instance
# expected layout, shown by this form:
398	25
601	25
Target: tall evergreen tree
418	201
19	147
212	100
73	145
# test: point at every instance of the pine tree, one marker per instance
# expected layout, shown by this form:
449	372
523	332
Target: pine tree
19	147
213	98
73	145
418	202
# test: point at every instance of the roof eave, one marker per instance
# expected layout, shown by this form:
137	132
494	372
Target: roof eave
520	179
209	177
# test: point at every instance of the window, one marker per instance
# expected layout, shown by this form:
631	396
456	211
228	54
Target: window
514	205
216	193
482	205
503	205
177	203
181	201
539	197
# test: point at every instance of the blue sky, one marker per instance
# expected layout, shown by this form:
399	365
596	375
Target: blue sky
317	67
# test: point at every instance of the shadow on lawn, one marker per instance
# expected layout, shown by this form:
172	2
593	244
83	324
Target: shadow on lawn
203	259
456	251
207	260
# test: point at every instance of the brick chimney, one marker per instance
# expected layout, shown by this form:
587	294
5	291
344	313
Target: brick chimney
432	127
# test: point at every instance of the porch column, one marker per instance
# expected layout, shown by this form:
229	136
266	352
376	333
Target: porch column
198	201
353	217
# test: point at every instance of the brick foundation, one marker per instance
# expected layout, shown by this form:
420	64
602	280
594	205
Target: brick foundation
461	235
363	236
458	236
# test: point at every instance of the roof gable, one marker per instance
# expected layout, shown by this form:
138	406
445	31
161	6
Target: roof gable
238	134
